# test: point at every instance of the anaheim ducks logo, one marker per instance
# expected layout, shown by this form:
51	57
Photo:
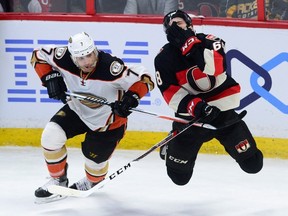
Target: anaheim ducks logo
93	103
116	68
59	52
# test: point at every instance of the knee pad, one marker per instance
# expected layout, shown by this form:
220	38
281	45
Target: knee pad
53	136
252	164
179	178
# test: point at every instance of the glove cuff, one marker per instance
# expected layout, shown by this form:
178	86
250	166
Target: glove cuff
134	96
194	107
189	44
53	74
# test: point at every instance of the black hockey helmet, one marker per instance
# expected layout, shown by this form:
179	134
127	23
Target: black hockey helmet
176	13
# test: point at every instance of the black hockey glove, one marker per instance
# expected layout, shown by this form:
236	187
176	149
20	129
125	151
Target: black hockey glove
55	85
185	40
128	101
200	109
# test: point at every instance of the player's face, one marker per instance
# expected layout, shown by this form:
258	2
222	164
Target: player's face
87	63
180	22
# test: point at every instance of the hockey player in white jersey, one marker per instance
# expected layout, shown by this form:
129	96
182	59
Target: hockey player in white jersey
82	69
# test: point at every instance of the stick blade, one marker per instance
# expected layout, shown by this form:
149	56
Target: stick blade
64	191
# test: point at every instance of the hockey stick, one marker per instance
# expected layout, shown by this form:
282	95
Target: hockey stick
64	191
197	124
104	102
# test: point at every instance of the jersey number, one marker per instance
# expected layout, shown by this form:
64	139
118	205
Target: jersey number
217	45
158	78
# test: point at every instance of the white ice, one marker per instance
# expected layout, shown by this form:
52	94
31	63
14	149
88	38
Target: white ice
218	187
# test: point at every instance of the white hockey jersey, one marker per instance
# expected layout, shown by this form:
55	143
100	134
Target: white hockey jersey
109	81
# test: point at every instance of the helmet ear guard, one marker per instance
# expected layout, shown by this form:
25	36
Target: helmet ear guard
176	13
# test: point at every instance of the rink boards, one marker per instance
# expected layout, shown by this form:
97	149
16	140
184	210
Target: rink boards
259	67
139	140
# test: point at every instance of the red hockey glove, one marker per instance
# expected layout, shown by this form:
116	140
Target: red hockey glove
128	101
55	85
185	40
200	109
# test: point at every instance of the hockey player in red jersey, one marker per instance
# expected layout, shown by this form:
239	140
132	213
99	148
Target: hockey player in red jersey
83	69
190	73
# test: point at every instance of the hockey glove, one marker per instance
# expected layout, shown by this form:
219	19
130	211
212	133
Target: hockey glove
200	109
185	40
128	101
55	85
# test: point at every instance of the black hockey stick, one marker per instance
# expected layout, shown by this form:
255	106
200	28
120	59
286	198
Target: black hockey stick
197	124
104	102
64	191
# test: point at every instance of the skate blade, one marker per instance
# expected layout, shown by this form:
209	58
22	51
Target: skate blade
52	198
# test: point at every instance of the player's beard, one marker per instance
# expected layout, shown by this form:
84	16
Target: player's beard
88	69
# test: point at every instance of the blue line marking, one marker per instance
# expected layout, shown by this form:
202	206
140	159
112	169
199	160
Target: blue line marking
57	42
137	52
20	58
131	60
101	43
21	91
135	43
20	66
21	99
20	74
11	41
21	83
27	50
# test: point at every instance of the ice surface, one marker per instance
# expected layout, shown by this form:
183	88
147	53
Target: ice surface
218	187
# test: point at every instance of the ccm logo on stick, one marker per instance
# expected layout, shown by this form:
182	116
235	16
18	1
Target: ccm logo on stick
119	171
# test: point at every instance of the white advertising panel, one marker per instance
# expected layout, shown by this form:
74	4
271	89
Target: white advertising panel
257	58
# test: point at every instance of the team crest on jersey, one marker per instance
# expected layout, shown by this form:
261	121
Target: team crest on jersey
243	146
59	52
200	81
116	68
93	101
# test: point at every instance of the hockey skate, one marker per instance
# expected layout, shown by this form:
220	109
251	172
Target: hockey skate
83	185
44	196
163	151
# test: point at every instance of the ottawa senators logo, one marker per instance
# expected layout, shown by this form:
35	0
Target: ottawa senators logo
200	81
243	146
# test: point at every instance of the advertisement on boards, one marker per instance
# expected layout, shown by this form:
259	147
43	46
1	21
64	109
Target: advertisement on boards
253	59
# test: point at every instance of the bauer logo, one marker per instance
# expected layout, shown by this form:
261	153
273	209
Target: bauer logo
24	89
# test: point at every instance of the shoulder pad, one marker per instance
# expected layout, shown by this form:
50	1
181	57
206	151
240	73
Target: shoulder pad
60	52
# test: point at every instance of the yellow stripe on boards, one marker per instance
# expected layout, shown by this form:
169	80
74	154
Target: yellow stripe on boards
139	140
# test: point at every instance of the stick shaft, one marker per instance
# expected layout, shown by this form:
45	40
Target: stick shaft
78	193
104	102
